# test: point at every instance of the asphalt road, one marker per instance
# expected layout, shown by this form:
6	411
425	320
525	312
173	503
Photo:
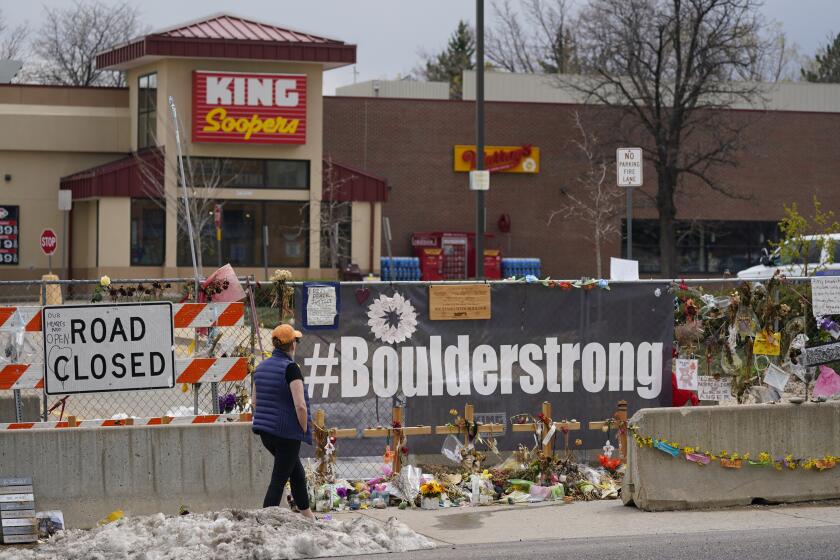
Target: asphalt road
812	543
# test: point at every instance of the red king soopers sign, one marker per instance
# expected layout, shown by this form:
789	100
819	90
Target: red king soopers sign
249	108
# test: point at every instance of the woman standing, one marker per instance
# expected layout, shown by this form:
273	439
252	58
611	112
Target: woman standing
282	418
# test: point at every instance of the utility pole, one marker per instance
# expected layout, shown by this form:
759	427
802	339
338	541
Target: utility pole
480	216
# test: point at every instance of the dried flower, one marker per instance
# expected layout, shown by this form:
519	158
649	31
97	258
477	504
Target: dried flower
281	275
578	442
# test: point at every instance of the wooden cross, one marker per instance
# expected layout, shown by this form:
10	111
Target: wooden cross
397	435
469	416
618	421
321	429
564	426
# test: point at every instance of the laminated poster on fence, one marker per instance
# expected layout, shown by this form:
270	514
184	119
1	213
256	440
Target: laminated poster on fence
321	304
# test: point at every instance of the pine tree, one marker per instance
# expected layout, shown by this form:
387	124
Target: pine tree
458	56
826	65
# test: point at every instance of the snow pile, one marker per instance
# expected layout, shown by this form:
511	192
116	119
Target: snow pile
268	534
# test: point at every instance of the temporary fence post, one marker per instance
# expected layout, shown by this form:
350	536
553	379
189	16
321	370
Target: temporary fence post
46	410
196	389
214	396
250	290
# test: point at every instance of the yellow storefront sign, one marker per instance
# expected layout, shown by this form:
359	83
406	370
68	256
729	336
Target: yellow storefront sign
503	159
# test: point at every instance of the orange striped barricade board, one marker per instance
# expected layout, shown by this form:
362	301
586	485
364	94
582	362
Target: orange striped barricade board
193	370
185	315
129	422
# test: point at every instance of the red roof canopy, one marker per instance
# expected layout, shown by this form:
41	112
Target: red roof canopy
122	177
228	36
139	175
343	183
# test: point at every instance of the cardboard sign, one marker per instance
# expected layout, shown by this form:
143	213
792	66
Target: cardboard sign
767	344
249	108
458	303
711	389
117	347
825	294
687	374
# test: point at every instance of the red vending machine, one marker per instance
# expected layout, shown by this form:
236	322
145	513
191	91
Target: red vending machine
456	256
489	242
431	263
455	264
493	264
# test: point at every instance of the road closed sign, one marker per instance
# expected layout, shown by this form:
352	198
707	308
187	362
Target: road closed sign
103	348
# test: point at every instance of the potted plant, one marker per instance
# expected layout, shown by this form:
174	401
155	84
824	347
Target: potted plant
430	495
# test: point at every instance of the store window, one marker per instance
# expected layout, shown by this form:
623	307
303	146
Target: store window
242	235
148	232
704	246
146	110
250	173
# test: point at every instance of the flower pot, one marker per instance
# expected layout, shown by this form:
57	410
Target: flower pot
429	503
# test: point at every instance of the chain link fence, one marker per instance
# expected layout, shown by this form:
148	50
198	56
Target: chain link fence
22	344
785	308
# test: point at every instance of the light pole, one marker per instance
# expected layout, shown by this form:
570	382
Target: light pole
480	225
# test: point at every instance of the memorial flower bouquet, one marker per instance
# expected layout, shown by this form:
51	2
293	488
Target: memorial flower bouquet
431	489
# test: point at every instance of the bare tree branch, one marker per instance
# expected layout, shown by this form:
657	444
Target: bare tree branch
667	68
598	205
540	39
12	40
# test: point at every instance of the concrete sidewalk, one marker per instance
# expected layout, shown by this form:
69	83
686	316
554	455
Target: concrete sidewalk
497	524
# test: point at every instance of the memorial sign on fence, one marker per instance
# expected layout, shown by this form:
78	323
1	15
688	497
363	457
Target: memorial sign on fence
99	348
583	350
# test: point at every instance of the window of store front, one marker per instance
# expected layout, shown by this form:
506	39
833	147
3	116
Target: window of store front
703	246
250	173
148	232
242	235
146	110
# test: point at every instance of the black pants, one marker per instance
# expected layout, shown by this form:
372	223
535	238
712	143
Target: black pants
286	467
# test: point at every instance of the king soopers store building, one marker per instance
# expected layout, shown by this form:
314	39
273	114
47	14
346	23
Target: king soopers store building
268	152
250	107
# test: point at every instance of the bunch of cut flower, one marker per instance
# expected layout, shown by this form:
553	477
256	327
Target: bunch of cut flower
431	489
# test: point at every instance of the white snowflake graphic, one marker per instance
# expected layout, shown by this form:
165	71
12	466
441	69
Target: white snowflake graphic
392	319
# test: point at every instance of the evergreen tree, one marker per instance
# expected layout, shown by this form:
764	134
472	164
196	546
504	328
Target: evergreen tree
826	64
458	56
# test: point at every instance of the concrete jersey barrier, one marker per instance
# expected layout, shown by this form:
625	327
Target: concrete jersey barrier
88	473
656	481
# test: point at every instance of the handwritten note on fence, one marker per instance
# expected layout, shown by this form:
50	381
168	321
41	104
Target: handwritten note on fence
711	389
825	293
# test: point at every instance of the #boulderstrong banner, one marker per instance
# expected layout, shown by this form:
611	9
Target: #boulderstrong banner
581	350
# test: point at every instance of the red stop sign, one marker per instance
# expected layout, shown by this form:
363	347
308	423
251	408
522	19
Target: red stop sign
49	241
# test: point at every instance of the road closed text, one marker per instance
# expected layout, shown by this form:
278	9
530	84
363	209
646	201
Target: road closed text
108	348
